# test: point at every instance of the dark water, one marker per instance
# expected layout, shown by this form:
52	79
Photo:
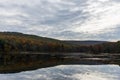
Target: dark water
59	66
17	62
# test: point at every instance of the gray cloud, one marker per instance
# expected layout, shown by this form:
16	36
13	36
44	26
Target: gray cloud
62	19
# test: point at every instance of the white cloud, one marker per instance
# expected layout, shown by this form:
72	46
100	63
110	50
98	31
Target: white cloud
62	19
103	0
12	22
102	17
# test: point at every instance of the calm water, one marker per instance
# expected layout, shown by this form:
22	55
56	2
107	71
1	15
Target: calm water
68	72
79	66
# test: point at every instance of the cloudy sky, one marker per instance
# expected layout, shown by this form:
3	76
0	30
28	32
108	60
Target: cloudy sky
62	19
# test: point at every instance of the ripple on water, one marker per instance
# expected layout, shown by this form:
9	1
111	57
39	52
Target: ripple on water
68	72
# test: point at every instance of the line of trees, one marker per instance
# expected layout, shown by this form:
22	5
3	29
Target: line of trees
18	42
13	42
108	47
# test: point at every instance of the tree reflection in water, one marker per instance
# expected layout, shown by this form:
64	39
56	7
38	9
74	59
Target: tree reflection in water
11	63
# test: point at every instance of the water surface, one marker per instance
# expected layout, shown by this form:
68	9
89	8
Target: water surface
68	72
60	66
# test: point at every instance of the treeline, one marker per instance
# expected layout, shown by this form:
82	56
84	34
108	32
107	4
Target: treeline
18	42
108	47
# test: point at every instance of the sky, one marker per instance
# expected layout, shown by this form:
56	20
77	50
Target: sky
62	19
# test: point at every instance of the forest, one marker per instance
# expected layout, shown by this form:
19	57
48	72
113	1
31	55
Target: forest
19	42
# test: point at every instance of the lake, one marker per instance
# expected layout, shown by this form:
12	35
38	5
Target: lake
68	72
56	66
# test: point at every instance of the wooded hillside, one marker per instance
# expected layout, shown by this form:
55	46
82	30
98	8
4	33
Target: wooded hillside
19	42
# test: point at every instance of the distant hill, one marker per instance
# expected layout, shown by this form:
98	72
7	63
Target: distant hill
19	42
27	36
84	43
14	41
